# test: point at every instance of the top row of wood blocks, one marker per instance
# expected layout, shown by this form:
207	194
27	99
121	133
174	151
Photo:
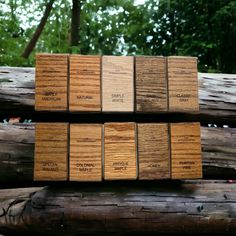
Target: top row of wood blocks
80	83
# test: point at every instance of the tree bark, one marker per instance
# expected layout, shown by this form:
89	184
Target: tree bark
127	207
29	48
17	153
75	22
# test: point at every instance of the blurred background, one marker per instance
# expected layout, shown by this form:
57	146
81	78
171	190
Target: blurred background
202	28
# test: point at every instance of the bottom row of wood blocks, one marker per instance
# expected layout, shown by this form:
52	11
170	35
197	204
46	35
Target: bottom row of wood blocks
117	151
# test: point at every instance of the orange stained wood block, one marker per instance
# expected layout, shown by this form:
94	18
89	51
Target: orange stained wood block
186	158
85	92
183	84
51	151
85	152
120	161
51	82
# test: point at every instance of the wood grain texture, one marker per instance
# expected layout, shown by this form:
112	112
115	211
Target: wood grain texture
51	82
151	84
85	92
183	84
51	151
186	159
217	93
153	151
85	152
117	84
17	153
120	151
156	208
218	151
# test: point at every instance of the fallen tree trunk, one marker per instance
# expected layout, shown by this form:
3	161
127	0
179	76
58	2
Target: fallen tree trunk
17	152
172	207
217	93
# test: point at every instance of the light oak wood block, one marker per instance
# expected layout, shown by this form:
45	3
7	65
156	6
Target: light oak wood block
120	161
183	84
51	151
85	73
51	82
85	152
151	84
117	84
153	151
186	159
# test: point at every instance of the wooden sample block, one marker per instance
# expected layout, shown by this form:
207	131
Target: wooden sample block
186	160
120	161
85	73
151	84
183	84
51	82
117	84
153	151
85	152
51	151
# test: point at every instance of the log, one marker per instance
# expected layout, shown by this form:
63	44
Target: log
131	207
217	93
17	152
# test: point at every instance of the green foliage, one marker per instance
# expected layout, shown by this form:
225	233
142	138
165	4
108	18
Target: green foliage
202	28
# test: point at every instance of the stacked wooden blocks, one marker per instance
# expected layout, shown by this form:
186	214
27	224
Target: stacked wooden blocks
116	83
116	151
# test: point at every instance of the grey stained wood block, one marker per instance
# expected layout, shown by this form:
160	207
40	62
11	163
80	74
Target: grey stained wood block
151	84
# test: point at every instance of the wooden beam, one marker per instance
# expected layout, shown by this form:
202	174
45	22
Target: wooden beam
217	93
17	152
130	207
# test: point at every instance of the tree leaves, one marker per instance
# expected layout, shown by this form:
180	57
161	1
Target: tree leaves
202	28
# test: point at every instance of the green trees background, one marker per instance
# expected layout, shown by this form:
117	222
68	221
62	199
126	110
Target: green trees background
202	28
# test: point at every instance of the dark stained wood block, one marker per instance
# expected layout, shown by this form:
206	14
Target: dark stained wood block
51	151
186	160
85	73
85	152
183	84
51	82
117	84
153	151
120	161
151	84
